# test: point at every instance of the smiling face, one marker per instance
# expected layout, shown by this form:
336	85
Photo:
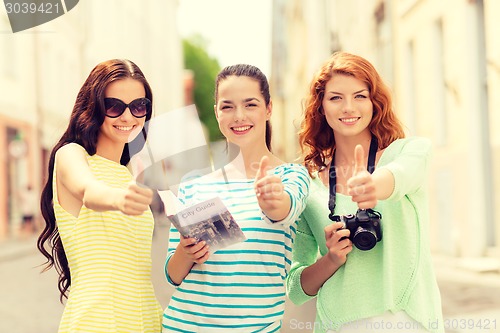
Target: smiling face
241	111
347	106
124	128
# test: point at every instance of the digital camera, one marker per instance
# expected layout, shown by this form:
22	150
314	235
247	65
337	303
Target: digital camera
365	227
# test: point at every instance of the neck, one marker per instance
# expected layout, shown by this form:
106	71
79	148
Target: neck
344	148
113	153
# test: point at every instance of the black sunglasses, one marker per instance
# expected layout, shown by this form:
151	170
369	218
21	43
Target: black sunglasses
139	107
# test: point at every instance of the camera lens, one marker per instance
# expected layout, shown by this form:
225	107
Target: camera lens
364	239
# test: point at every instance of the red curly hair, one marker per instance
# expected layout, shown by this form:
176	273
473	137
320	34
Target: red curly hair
316	137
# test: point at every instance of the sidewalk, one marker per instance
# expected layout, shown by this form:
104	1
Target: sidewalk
470	293
470	288
17	247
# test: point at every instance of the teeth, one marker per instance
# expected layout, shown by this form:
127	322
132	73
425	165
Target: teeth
124	128
349	120
242	128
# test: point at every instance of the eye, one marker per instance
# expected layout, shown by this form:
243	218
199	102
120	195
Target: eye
225	107
251	105
334	98
361	96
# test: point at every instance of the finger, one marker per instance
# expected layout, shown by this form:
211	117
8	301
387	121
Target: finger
195	248
201	252
142	196
263	166
187	241
202	259
359	160
143	191
270	190
134	208
367	204
333	228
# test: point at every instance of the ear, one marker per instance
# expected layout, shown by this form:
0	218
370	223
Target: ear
269	110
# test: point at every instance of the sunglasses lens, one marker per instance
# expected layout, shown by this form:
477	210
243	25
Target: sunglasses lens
140	107
114	107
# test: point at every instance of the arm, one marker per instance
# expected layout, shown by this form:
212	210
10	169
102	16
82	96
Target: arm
409	166
183	253
74	174
308	273
187	253
404	175
314	276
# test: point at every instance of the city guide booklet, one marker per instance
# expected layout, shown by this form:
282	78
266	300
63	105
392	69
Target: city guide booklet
210	221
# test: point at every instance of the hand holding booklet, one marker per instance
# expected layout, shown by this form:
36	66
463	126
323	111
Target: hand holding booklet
210	221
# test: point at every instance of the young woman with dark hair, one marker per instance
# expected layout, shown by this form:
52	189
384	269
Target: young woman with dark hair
240	287
99	226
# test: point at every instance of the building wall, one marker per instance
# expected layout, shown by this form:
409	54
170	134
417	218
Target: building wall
44	67
443	76
301	43
18	119
439	47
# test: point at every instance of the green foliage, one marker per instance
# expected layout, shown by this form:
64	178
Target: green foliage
205	69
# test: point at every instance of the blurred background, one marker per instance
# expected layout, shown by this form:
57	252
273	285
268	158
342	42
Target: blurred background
441	59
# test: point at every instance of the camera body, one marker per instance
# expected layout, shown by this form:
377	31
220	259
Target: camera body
365	227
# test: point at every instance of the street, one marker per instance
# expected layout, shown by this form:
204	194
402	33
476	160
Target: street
30	300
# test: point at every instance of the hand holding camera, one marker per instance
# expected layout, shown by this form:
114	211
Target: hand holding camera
338	243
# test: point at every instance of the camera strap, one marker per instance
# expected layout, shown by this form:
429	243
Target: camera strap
333	174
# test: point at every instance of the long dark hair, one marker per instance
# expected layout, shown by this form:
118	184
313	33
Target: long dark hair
86	119
254	73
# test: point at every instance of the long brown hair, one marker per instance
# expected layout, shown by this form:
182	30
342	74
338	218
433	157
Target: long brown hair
86	119
316	138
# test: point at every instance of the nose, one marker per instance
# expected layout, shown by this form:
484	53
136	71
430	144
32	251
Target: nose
347	105
239	114
127	114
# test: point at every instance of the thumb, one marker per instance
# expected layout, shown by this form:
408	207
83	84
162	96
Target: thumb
359	160
263	166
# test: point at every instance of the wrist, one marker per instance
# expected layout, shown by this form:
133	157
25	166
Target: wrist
329	264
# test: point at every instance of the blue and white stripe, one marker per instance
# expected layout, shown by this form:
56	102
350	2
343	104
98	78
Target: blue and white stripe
240	287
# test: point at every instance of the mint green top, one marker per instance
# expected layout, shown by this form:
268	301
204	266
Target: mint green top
397	274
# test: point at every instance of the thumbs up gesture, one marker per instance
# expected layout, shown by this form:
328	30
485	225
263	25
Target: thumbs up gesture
269	189
135	199
361	185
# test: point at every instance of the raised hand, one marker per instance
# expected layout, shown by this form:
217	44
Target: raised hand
270	192
135	200
361	185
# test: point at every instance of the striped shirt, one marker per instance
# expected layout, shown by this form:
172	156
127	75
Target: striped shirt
109	256
240	287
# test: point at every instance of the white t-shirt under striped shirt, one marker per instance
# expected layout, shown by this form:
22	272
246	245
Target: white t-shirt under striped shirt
240	287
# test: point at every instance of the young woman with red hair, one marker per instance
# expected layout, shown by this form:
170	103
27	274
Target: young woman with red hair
361	164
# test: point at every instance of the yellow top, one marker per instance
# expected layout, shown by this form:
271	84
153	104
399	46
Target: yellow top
109	256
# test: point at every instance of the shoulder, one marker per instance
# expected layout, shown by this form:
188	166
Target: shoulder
70	152
291	168
293	173
414	144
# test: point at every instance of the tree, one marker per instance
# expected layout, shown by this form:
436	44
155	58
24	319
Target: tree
205	69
